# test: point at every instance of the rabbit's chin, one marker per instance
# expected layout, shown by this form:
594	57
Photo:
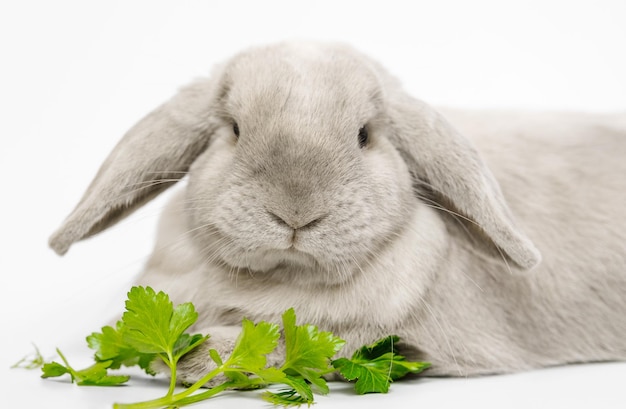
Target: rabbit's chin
289	265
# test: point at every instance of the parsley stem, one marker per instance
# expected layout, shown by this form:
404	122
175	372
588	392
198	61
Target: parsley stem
204	395
171	399
172	364
199	384
67	364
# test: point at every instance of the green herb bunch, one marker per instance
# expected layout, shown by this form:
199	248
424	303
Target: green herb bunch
153	329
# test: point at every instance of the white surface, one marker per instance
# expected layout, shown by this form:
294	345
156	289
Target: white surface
76	75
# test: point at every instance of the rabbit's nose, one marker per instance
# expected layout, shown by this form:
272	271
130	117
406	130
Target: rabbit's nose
297	221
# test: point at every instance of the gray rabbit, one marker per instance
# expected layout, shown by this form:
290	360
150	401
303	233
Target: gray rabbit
489	242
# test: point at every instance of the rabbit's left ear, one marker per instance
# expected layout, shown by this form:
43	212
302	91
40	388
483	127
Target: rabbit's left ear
152	156
439	155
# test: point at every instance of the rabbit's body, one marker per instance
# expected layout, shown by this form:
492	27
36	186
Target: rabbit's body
316	183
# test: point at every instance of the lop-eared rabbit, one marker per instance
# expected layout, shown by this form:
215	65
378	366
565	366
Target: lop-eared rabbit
490	242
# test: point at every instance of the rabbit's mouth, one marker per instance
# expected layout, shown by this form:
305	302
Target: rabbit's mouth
282	260
289	265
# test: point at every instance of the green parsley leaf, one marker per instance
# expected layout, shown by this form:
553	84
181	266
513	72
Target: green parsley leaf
298	393
308	351
215	356
375	366
383	350
308	354
252	345
110	346
153	325
186	343
53	369
95	375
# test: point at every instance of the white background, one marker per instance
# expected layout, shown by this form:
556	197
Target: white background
76	75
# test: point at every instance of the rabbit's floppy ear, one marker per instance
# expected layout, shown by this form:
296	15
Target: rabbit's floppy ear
447	162
151	157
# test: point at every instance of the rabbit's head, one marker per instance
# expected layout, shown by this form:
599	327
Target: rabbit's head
304	162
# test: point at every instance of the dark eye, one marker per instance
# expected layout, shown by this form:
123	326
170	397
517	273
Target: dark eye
236	129
363	137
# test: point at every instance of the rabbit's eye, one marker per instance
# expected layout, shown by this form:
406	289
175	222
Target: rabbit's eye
236	129
363	137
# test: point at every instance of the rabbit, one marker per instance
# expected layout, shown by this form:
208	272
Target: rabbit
488	241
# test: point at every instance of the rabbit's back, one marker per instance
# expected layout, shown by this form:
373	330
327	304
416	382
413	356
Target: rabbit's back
563	178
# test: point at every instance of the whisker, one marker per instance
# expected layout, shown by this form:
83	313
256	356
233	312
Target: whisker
146	185
166	172
150	183
432	204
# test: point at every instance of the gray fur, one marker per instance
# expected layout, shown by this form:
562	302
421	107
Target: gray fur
425	232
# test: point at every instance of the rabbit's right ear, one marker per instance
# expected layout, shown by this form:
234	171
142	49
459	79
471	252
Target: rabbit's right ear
151	157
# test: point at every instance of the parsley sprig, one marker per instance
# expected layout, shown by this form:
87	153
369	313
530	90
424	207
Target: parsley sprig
152	329
375	366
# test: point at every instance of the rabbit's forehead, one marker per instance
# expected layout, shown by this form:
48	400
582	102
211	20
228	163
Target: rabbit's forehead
307	83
